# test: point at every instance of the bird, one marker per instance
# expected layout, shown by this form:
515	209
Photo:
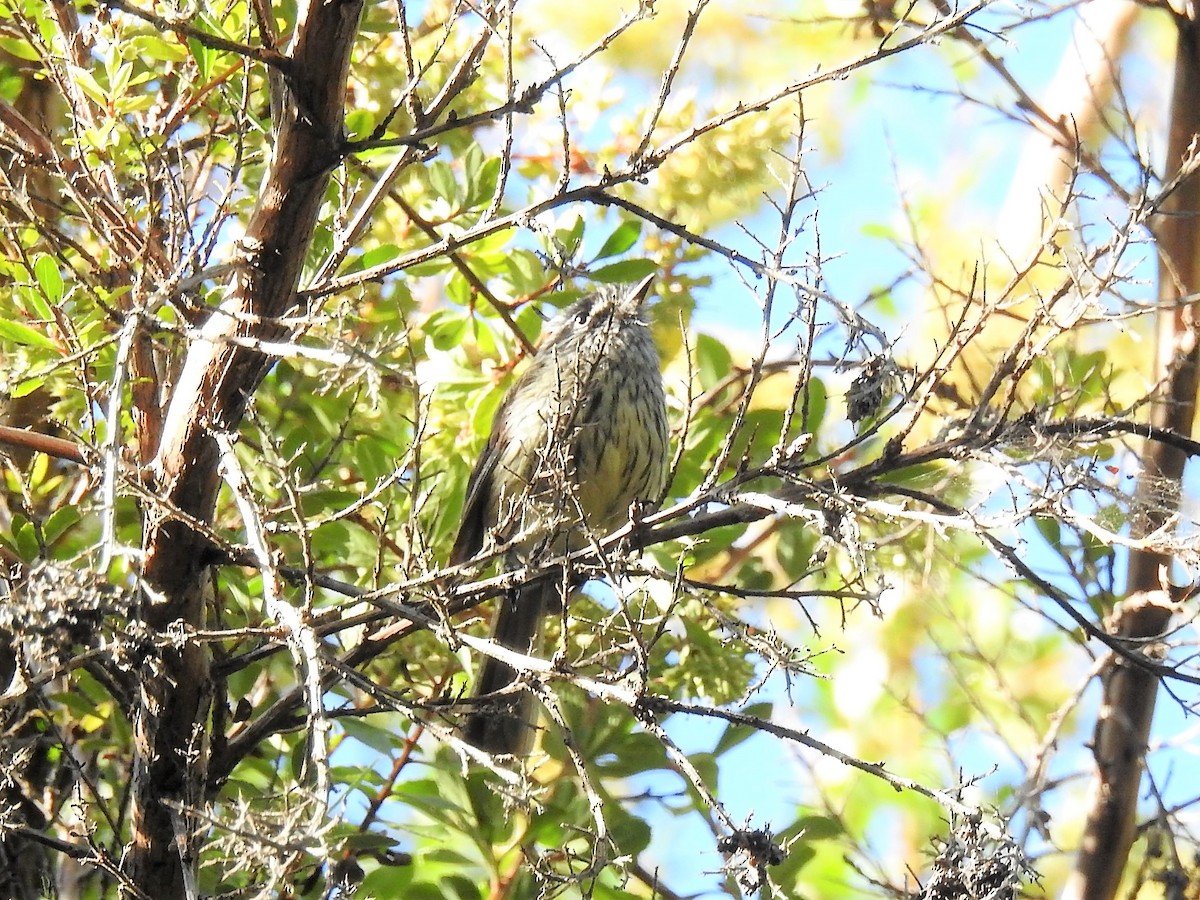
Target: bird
578	439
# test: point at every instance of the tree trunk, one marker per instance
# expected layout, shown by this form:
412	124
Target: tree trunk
1127	710
216	382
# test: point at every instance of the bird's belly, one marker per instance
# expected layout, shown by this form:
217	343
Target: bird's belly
616	471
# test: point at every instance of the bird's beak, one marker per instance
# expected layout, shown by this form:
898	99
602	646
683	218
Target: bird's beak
640	292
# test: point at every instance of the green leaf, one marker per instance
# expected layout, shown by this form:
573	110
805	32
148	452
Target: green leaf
483	186
706	765
632	754
33	299
878	230
485	410
458	290
327	501
472	161
1094	549
434	266
569	240
525	272
713	360
624	237
818	400
441	179
59	521
366	840
49	279
735	734
88	84
819	828
152	46
19	49
25	536
1050	530
16	333
205	59
631	834
360	123
377	256
447	329
794	550
625	272
119	78
26	387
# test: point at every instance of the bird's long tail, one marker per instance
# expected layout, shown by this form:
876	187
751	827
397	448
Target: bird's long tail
506	724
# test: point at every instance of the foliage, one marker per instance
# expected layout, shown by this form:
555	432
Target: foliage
855	650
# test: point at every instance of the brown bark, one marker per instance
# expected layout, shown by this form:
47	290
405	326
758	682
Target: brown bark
1129	691
216	381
